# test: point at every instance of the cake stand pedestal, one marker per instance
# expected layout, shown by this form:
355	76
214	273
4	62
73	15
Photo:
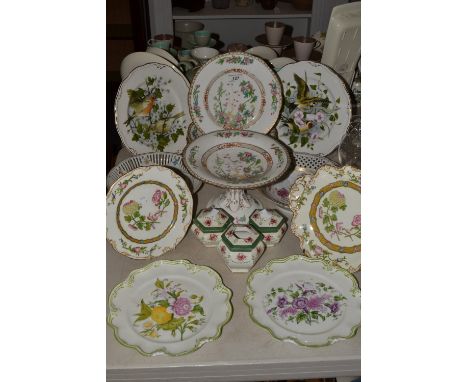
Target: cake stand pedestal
237	202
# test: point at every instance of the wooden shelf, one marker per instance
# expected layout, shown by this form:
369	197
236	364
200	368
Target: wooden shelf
255	11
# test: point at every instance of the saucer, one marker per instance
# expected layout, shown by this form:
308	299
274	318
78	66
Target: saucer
285	41
191	41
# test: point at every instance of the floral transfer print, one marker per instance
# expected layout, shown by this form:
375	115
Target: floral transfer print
171	309
153	121
304	301
229	134
196	103
337	229
119	189
240	60
246	165
183	200
136	250
136	221
309	112
274	96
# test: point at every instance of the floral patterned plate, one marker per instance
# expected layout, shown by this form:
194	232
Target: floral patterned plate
317	108
151	111
169	307
327	215
235	91
305	164
236	159
305	301
148	212
173	161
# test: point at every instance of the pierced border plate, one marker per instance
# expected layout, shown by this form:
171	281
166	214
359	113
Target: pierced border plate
304	301
327	215
169	307
148	212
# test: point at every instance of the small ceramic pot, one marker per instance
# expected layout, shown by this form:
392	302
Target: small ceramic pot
210	224
271	224
241	246
204	54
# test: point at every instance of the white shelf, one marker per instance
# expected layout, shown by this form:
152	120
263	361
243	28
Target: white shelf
255	11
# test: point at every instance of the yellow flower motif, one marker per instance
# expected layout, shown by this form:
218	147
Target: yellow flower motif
154	334
148	324
337	199
130	207
160	315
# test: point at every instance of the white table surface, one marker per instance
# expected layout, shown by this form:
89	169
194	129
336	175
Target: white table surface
245	351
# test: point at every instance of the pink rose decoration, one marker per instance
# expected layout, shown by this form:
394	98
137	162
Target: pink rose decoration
157	197
182	306
283	193
320	212
137	249
241	257
318	250
356	220
339	227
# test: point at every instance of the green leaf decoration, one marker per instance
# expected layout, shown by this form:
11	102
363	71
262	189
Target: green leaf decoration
326	203
199	309
139	128
173	324
163	303
339	298
146	135
136	214
145	312
170	107
326	219
159	284
293	139
157	93
136	96
139	225
334	218
338	100
136	137
300	317
314	87
128	218
304	141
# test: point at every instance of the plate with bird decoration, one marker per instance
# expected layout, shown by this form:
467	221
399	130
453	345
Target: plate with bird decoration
316	110
151	111
305	301
169	307
235	91
148	212
327	215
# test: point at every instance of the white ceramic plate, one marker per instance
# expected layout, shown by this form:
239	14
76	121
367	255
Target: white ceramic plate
235	91
173	161
148	212
151	111
327	215
164	54
305	301
263	52
279	62
316	110
136	59
169	307
304	164
236	159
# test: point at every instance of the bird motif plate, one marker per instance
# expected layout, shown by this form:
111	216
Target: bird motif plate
169	307
173	161
317	108
327	215
236	159
151	111
305	301
148	212
236	91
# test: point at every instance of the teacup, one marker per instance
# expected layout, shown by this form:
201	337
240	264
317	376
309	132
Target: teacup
185	55
303	47
166	44
202	38
274	32
204	54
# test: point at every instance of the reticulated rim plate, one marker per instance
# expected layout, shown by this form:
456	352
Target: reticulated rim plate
236	159
151	111
235	90
327	215
169	307
148	212
304	164
173	161
305	301
317	108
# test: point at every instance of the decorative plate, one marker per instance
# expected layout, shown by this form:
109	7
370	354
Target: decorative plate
264	52
317	108
279	62
151	112
327	215
236	159
305	164
169	307
168	55
305	301
148	212
136	59
173	161
235	91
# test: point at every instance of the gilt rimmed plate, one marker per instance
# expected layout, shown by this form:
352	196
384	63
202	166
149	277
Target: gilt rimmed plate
173	161
305	301
164	54
236	159
327	215
151	111
304	164
237	91
317	108
169	307
148	212
135	59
